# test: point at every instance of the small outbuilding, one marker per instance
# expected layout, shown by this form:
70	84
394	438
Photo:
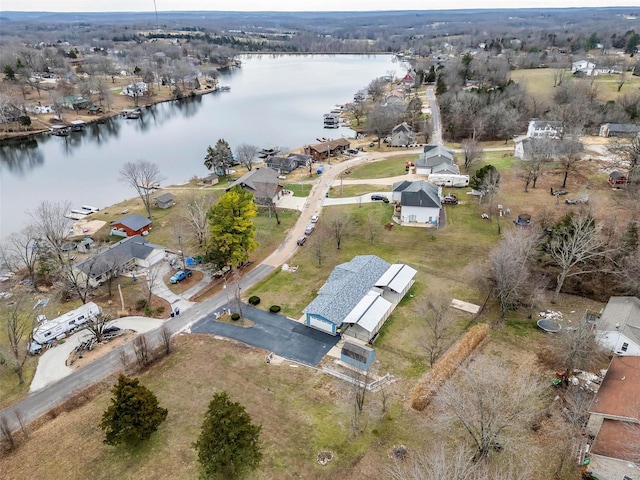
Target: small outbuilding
617	179
358	356
165	200
132	225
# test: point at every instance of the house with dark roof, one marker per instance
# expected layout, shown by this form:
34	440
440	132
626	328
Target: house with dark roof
131	225
165	200
324	150
436	159
420	202
285	165
263	183
614	423
118	258
402	135
619	130
350	302
618	328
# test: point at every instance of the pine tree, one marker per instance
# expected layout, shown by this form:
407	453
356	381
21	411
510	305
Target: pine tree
229	444
134	413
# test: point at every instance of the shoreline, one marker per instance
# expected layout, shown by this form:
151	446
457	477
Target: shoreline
11	137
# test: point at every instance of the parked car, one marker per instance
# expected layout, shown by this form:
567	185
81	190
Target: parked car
180	275
450	200
315	218
353	151
301	240
377	197
222	271
309	229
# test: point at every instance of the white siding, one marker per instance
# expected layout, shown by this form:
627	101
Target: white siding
321	325
614	341
420	215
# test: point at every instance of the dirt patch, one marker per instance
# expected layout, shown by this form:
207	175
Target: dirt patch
185	284
85	357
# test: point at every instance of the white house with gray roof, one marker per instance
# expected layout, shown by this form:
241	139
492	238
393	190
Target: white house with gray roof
116	259
358	297
436	159
420	202
618	328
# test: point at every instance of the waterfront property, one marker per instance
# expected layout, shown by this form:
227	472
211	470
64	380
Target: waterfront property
263	183
118	258
165	200
130	226
436	159
358	297
324	150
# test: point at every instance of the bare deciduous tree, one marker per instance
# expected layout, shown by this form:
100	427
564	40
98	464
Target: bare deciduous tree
472	153
52	225
371	227
141	350
576	249
509	271
195	212
20	250
165	336
143	176
627	155
558	76
338	226
318	245
577	349
154	276
97	324
438	329
491	403
246	153
569	151
18	325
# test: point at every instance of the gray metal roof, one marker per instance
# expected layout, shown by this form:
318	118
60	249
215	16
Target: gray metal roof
116	255
165	197
445	167
624	312
435	155
397	277
134	222
262	181
401	185
345	287
624	127
421	194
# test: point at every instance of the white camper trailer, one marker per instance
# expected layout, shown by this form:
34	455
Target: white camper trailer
51	329
449	180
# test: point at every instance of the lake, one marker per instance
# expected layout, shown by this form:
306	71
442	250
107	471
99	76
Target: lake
274	100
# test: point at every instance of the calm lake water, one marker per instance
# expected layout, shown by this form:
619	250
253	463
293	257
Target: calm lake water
274	100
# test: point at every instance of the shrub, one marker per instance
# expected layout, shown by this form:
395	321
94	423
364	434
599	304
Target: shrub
254	300
235	317
274	308
385	200
141	304
160	310
148	311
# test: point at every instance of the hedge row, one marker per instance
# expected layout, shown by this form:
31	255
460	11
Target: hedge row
446	366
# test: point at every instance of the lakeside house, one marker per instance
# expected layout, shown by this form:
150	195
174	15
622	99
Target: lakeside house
436	159
420	202
402	135
324	150
130	226
118	258
263	183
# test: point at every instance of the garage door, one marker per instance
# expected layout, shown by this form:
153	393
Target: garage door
320	325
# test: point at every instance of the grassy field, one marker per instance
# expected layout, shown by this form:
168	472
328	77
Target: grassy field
382	169
299	189
539	83
336	191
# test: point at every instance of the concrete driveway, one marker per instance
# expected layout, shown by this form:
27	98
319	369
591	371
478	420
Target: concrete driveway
275	333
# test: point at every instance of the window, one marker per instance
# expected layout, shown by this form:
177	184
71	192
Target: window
625	346
47	334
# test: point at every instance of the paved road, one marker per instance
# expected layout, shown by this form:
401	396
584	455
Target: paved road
436	136
275	333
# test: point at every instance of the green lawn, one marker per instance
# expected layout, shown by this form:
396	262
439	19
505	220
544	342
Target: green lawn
299	189
382	169
354	190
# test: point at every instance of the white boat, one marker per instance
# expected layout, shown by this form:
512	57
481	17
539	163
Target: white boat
223	88
59	130
80	212
78	125
90	208
131	113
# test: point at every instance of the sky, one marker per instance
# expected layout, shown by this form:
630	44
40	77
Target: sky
293	5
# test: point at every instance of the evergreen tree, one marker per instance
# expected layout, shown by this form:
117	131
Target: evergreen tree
134	413
219	157
478	181
229	444
441	86
9	73
233	234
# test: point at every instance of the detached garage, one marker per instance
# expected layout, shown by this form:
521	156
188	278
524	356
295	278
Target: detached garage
358	297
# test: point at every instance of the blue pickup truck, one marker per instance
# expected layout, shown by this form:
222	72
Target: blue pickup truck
180	275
